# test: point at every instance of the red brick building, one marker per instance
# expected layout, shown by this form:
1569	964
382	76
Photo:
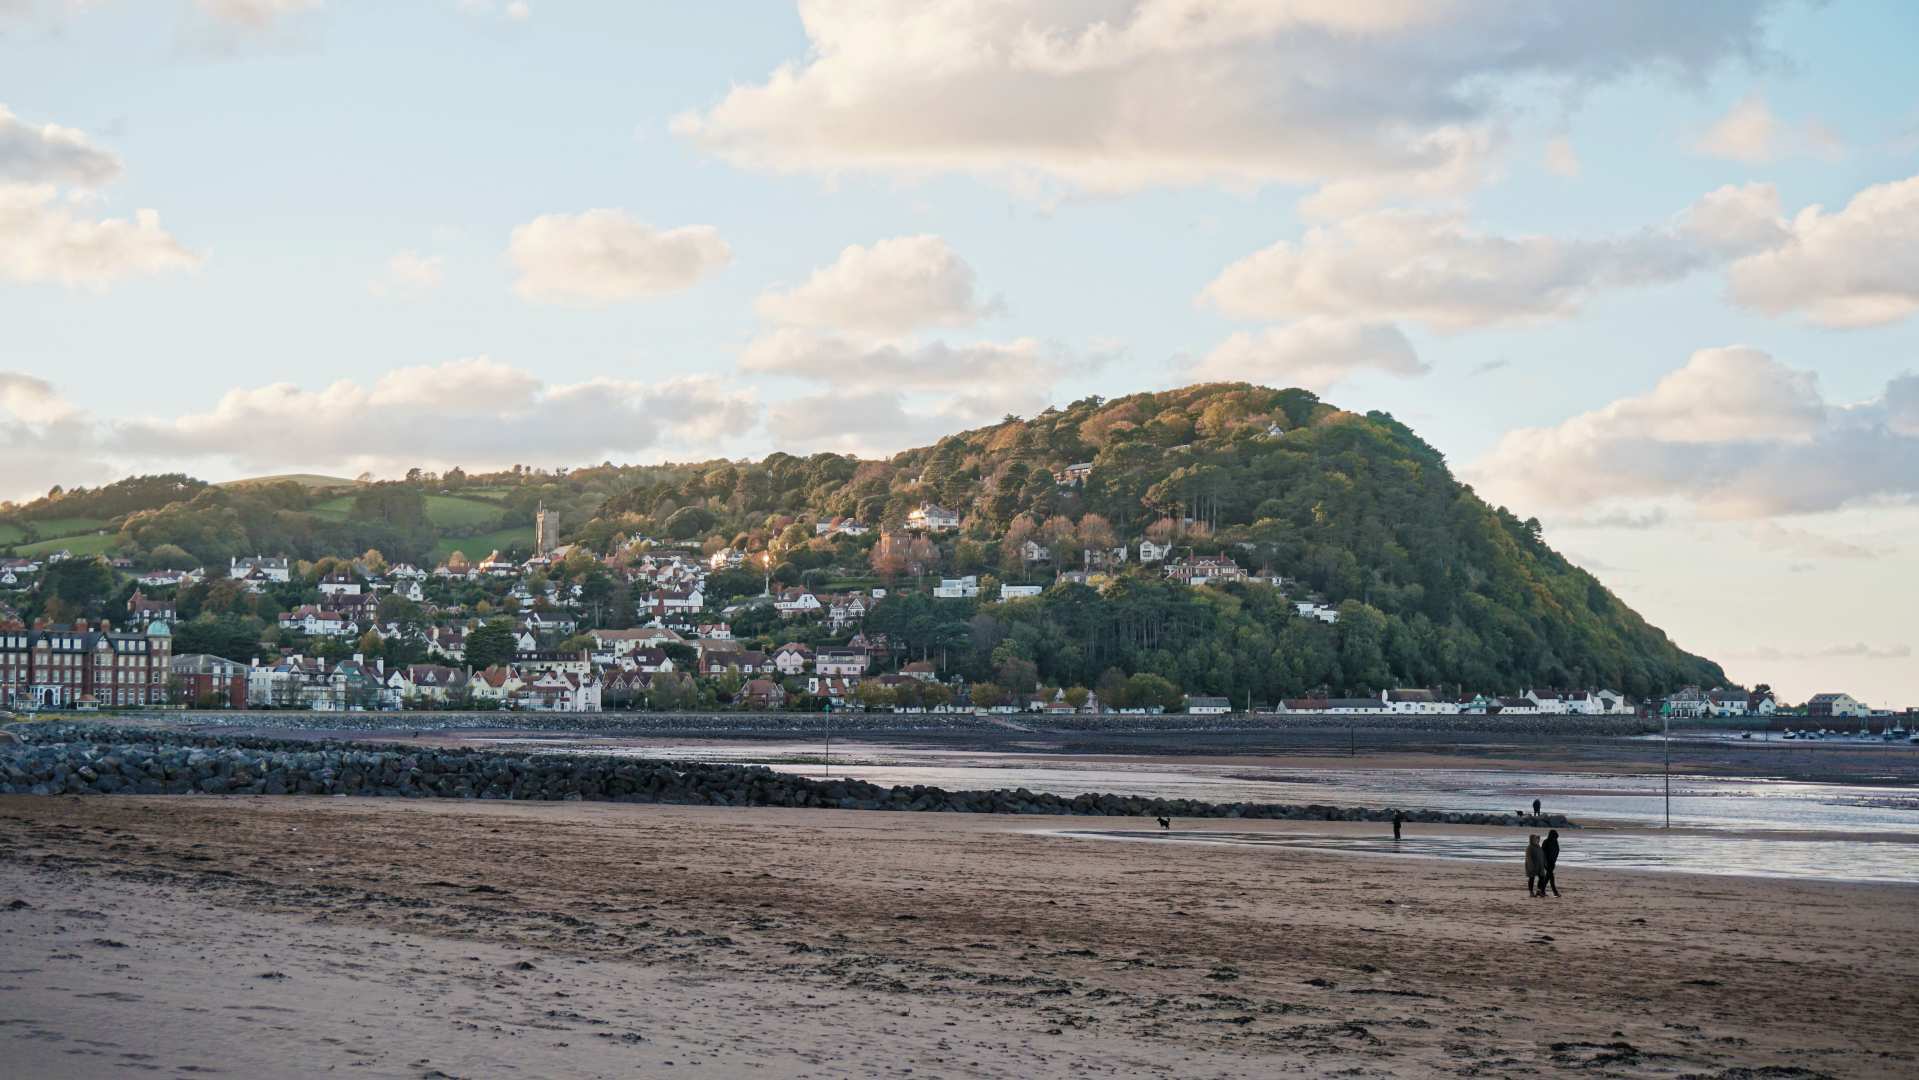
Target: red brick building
206	681
54	667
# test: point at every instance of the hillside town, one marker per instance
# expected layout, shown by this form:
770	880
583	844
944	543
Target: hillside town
564	631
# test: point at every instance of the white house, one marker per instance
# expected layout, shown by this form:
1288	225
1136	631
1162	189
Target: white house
1416	702
663	602
1150	552
555	691
274	568
1837	706
791	658
844	611
552	622
339	585
1312	609
496	684
840	663
1015	592
957	588
795	603
1205	569
425	682
313	622
1033	551
933	518
1207	706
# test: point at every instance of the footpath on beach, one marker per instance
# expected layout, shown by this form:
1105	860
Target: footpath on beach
90	759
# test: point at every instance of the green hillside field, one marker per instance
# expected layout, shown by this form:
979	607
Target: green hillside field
478	547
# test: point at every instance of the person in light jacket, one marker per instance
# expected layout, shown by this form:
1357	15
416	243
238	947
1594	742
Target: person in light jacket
1535	867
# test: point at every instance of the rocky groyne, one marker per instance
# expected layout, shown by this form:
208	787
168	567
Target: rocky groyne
85	760
884	723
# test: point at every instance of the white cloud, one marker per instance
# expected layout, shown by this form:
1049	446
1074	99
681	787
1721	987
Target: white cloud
256	14
473	412
516	11
41	241
1561	158
896	286
1805	544
1749	133
1370	98
851	363
1856	267
44	439
602	256
1857	650
882	422
1438	269
1315	353
409	272
29	397
51	154
1734	432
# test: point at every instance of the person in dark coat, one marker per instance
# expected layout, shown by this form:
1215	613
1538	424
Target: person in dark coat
1535	864
1535	807
1548	859
1399	818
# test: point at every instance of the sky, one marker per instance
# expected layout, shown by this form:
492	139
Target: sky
1646	272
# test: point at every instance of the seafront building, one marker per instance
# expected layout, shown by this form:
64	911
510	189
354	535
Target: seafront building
82	665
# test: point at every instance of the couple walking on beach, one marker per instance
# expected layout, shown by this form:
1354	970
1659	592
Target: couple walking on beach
1541	859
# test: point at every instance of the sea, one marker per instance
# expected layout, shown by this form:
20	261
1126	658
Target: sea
1745	826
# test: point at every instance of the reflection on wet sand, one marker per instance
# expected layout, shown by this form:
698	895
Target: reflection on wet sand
1878	861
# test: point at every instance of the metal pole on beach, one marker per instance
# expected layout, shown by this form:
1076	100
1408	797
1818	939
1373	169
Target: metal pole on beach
829	742
1667	741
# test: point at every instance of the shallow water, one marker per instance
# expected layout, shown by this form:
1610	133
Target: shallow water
1870	861
1700	802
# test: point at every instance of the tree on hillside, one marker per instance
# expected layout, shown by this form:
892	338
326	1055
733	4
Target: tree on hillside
689	522
490	644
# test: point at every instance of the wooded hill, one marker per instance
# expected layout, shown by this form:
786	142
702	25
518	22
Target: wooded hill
1434	587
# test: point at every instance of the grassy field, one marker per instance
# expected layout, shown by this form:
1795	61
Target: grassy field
444	511
479	547
456	512
312	480
10	533
90	544
49	528
333	509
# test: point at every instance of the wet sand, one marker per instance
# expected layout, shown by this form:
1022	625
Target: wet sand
289	936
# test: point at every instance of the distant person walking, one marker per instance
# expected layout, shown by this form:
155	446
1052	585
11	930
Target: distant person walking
1399	819
1548	860
1535	867
1535	807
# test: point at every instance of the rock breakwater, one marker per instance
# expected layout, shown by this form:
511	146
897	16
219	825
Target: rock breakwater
87	760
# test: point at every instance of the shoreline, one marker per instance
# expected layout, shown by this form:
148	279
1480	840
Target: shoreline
960	944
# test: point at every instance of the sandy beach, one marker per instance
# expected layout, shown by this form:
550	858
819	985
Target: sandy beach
292	936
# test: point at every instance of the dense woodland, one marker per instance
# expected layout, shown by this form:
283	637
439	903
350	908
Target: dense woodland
1434	587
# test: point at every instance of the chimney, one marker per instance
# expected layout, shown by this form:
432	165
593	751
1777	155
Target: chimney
79	625
359	658
106	627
